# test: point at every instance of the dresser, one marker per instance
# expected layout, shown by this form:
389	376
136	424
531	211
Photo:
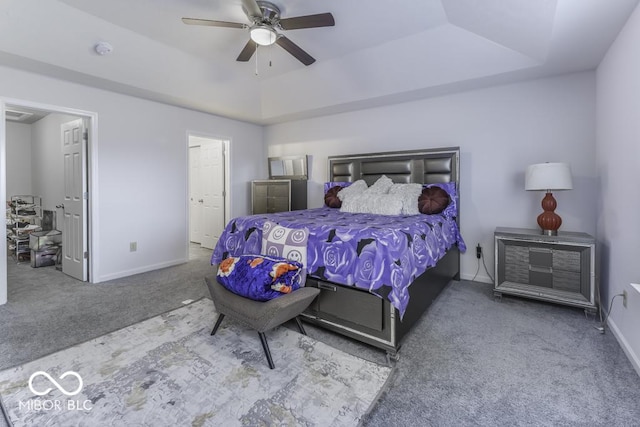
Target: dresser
270	195
558	269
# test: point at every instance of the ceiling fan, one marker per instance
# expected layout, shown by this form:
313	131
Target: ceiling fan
265	21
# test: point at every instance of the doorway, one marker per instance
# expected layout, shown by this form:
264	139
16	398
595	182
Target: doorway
208	189
60	175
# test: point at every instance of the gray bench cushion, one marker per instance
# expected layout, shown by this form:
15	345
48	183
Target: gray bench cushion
260	315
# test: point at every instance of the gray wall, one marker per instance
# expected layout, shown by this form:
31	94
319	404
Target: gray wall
140	167
500	131
618	164
19	155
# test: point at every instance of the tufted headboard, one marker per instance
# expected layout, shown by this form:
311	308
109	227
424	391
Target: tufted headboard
419	166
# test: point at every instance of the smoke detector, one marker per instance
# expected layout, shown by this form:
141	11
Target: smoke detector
103	48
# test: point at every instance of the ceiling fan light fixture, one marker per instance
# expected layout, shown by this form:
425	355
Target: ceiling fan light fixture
263	35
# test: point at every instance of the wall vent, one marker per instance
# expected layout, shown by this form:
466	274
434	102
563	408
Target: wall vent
16	115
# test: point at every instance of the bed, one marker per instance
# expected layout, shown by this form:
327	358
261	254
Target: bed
377	274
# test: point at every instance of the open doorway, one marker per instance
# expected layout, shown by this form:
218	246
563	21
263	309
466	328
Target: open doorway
45	151
208	189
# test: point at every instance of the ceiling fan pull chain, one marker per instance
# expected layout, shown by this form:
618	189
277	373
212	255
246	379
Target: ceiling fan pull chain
257	49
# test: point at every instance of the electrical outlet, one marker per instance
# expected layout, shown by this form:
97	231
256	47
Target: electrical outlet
133	246
478	251
624	298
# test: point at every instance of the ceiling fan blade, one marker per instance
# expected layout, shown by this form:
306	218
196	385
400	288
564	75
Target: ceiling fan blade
308	21
211	23
247	51
251	9
295	50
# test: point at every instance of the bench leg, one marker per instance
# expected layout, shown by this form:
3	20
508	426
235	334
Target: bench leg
215	328
265	347
300	327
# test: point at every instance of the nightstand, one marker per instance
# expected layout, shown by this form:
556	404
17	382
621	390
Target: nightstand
558	269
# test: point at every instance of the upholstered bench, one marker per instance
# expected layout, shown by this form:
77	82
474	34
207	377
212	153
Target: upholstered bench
260	315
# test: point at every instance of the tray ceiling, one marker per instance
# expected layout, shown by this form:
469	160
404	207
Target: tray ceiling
379	52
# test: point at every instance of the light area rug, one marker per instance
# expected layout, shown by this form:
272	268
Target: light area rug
169	371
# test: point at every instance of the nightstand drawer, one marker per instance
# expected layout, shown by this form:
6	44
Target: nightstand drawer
566	260
542	257
516	263
566	280
540	277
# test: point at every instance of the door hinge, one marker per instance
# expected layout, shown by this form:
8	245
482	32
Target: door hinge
86	255
85	195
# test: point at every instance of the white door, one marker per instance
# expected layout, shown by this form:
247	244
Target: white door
212	185
74	236
195	196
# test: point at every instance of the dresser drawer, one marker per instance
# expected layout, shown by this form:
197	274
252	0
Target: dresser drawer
343	303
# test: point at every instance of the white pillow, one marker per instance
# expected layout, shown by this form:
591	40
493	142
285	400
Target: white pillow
380	204
356	188
381	186
409	194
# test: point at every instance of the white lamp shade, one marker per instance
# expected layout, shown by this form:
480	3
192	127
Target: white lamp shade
263	35
548	176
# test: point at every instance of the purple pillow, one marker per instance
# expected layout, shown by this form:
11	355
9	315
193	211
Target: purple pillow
259	277
451	211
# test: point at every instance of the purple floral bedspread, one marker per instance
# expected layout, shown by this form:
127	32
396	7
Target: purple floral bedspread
363	250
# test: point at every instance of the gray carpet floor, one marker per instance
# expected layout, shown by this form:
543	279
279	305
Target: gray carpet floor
469	361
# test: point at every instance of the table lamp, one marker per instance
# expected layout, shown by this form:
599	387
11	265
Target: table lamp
548	177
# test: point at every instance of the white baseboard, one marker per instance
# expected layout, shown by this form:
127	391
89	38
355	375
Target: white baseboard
633	358
139	270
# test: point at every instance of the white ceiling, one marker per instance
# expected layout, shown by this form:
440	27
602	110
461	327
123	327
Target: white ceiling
379	52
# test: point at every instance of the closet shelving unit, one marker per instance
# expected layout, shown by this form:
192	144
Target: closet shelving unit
25	217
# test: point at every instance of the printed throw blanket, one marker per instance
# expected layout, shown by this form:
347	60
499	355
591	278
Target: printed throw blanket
259	278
